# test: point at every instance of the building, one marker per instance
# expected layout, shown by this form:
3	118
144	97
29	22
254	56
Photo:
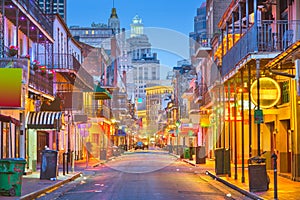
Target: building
199	32
18	50
98	34
258	43
53	7
145	67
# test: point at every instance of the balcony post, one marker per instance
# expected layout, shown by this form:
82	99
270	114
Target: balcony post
247	14
258	104
255	26
2	30
243	129
249	108
17	29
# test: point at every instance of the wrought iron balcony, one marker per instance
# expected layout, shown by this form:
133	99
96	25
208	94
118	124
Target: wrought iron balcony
41	83
203	46
100	111
17	12
272	36
69	66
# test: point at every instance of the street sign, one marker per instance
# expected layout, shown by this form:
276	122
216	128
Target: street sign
258	117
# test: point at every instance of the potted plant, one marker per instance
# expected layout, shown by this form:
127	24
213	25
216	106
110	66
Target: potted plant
13	50
43	70
27	56
35	65
51	75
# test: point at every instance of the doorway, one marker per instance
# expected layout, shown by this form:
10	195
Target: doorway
42	141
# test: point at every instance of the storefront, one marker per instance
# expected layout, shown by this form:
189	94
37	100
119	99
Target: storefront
43	129
9	137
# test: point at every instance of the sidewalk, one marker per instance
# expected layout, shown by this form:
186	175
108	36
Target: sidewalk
286	188
33	186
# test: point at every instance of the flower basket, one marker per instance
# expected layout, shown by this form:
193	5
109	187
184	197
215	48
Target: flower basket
50	76
12	51
35	65
43	70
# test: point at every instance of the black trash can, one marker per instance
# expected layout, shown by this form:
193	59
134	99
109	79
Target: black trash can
222	161
170	149
200	155
49	166
257	172
103	155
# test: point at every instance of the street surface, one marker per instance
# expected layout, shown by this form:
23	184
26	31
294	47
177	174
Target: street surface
144	175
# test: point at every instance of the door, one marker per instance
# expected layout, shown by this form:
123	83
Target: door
42	141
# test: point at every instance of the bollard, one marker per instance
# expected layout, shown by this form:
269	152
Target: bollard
274	156
68	161
65	163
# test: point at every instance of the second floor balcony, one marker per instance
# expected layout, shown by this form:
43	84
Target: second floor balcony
38	82
269	37
98	111
70	67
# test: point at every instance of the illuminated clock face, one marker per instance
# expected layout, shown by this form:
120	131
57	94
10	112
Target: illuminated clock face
269	92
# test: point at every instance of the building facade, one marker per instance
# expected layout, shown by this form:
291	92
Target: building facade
53	7
255	45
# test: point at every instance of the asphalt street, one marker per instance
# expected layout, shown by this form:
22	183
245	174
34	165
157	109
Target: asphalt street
144	175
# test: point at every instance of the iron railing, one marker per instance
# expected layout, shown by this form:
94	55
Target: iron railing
98	111
34	10
41	82
272	36
61	61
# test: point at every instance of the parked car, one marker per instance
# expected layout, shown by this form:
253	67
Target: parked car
139	145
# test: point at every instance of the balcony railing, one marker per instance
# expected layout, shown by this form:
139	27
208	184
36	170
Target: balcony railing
272	36
33	8
36	81
102	111
66	62
41	82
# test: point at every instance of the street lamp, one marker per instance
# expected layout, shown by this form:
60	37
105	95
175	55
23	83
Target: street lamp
177	124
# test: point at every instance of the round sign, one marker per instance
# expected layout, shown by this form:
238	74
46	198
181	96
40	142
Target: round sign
269	92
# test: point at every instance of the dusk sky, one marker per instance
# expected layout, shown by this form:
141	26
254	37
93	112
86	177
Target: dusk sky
175	15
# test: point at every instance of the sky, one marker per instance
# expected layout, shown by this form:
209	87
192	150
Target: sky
175	15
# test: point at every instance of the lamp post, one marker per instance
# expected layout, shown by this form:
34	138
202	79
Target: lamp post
177	135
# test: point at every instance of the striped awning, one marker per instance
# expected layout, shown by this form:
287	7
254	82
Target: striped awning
44	120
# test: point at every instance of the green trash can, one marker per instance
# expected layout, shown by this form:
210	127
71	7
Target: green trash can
11	172
187	153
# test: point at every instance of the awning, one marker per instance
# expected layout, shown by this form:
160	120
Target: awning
44	120
101	93
4	118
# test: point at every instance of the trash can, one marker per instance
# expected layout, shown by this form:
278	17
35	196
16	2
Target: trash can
170	149
103	154
200	155
49	167
11	172
192	152
257	172
186	153
222	161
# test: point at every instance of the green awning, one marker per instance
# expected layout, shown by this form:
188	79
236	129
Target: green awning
100	93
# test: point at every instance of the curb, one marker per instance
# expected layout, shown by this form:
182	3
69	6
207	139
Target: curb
244	192
35	194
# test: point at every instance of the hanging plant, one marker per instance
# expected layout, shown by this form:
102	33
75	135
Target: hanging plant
43	70
35	65
27	56
51	75
13	50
